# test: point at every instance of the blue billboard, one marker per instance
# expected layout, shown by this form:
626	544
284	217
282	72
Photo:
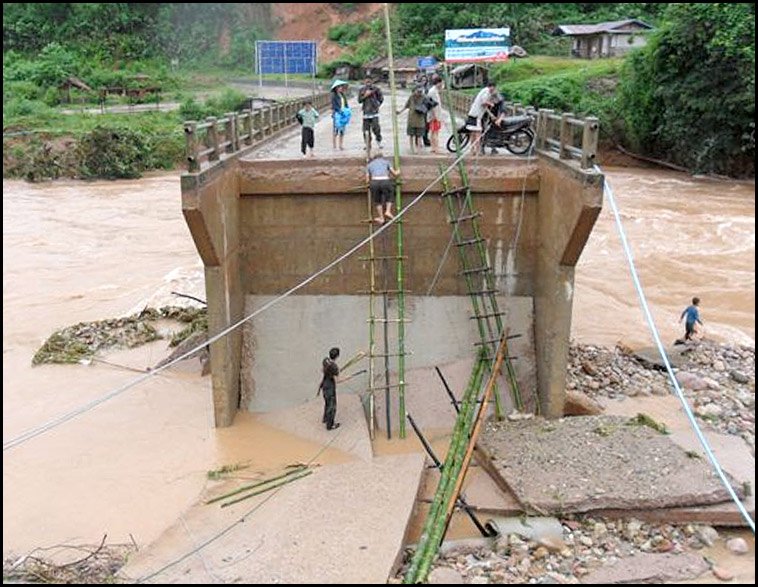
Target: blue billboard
286	57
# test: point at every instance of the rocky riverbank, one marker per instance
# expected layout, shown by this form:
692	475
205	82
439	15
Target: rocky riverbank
718	380
590	551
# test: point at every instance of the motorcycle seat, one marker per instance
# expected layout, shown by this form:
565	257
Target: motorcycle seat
515	120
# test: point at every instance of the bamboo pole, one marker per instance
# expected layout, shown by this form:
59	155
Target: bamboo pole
290	479
256	484
428	543
398	207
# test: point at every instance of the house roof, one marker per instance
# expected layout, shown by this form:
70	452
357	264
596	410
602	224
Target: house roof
617	26
376	62
75	82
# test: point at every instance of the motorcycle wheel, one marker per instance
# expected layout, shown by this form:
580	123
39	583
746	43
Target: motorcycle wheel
463	137
519	142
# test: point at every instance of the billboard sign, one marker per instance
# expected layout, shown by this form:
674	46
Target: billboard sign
427	62
286	57
477	45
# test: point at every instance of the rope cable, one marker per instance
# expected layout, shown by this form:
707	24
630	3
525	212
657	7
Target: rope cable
608	191
55	422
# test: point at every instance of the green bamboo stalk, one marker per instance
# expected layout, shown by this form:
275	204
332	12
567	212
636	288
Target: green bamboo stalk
435	523
398	207
371	321
462	459
302	474
431	533
480	323
257	484
489	276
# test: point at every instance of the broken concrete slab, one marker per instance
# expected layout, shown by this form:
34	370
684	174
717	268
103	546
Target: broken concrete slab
305	421
649	568
324	528
651	358
484	495
588	463
733	455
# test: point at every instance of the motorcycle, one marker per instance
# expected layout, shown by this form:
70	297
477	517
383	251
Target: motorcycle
514	133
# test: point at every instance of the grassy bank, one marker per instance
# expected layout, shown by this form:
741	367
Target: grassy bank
568	85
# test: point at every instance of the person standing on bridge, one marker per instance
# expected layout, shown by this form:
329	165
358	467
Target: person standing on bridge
307	117
340	113
434	116
328	386
692	315
417	110
485	99
371	98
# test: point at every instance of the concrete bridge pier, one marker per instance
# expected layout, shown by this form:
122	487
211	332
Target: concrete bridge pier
262	226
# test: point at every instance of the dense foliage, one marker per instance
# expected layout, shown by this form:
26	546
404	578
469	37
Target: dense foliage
221	34
422	26
689	96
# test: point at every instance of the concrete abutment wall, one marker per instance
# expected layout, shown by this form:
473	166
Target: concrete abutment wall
263	226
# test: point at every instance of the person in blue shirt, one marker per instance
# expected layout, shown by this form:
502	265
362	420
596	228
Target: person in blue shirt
693	316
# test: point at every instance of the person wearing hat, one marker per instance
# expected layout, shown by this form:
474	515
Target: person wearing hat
416	117
340	113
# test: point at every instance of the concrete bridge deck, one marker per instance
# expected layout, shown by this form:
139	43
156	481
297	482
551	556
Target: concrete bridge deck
287	145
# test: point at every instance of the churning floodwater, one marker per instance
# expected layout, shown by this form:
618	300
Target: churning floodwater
76	251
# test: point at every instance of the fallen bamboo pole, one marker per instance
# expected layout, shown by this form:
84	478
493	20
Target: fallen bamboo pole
460	462
257	484
300	475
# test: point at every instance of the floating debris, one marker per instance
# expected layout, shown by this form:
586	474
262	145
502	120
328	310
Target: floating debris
81	342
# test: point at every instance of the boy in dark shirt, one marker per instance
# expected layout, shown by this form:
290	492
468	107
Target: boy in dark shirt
329	386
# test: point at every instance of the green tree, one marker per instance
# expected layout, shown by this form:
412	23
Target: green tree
689	95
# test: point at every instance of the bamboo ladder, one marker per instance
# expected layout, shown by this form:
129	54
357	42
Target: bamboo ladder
384	257
476	269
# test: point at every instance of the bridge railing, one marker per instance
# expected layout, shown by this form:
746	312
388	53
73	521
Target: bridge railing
564	134
216	138
568	136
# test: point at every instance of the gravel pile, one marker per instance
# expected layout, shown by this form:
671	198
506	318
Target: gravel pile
718	380
587	545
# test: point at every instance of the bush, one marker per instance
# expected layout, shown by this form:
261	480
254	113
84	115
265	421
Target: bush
689	95
191	109
113	153
347	33
16	108
21	90
229	100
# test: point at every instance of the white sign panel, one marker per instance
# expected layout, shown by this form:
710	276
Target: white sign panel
472	45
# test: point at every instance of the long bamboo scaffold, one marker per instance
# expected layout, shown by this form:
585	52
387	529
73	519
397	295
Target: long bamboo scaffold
399	223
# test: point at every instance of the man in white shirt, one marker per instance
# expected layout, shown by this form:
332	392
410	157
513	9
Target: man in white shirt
486	98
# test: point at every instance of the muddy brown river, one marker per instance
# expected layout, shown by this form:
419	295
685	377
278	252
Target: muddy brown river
75	251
